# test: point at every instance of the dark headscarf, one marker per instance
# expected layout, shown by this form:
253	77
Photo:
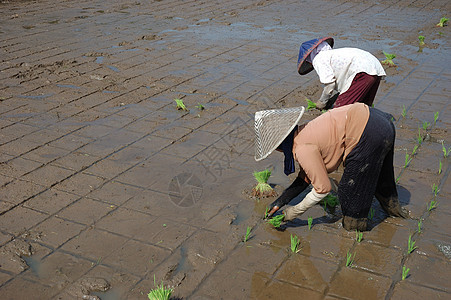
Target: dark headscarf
287	148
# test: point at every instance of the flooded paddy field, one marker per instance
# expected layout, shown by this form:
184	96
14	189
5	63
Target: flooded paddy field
107	189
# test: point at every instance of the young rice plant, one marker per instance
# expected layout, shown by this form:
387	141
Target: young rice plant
420	224
410	245
404	111
262	189
445	152
295	242
310	104
349	259
432	205
440	166
180	104
405	272
247	235
371	213
160	292
310	222
358	236
276	221
388	59
443	22
436	117
421	40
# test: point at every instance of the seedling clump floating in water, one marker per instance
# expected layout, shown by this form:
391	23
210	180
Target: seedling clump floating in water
263	189
160	292
295	242
405	272
421	40
388	59
310	104
410	245
349	259
276	221
180	104
310	222
358	236
247	235
443	22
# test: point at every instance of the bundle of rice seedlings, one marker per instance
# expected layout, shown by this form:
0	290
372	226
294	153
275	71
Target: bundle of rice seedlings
263	189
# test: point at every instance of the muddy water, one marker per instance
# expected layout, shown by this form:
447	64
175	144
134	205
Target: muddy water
108	189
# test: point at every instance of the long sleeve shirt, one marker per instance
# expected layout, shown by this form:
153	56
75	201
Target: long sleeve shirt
322	144
342	64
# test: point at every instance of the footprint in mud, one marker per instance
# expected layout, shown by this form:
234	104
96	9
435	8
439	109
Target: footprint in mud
11	256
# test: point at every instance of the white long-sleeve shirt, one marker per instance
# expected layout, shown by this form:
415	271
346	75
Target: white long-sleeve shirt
342	64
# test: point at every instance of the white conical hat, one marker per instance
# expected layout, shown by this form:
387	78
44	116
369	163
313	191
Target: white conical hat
272	127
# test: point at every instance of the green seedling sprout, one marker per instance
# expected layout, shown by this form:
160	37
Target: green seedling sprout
432	205
371	213
407	160
358	236
266	212
436	117
410	245
330	201
247	235
445	153
397	178
420	137
160	292
420	224
443	22
388	59
310	222
310	104
200	107
440	167
421	40
276	221
414	151
180	104
426	125
262	189
435	189
295	242
404	111
405	272
349	259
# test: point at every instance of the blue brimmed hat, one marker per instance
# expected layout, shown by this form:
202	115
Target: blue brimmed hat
306	48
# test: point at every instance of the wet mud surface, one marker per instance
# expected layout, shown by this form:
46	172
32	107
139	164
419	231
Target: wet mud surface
106	188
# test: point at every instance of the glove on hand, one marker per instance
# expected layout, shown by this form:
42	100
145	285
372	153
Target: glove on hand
310	199
297	187
328	92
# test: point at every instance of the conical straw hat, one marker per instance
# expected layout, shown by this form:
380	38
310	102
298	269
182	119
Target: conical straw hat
272	127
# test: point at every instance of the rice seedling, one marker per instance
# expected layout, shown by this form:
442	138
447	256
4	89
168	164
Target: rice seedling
160	292
310	222
397	178
436	117
310	104
388	59
443	22
440	166
349	259
404	111
420	224
432	205
200	107
262	189
445	152
414	151
407	160
247	235
371	213
180	104
330	201
426	125
295	242
405	272
420	137
358	236
421	40
410	245
276	221
435	189
266	212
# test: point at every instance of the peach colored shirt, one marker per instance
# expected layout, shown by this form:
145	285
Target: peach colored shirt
323	143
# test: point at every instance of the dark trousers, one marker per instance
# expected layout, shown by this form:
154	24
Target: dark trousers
369	167
363	89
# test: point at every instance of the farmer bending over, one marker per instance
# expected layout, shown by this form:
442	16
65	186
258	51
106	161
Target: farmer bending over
353	73
360	136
